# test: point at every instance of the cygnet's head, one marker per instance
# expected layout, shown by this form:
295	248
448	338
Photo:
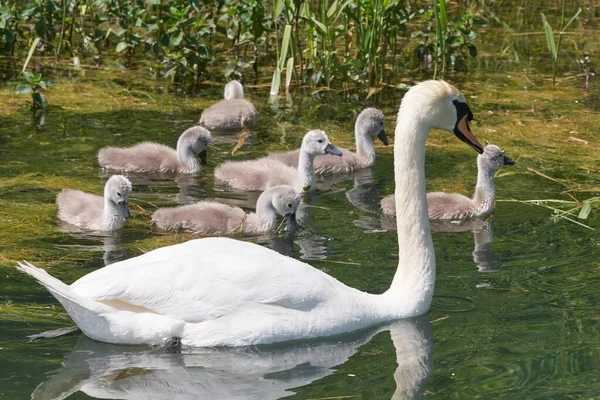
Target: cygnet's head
234	90
370	122
285	200
197	139
492	159
117	191
317	143
440	105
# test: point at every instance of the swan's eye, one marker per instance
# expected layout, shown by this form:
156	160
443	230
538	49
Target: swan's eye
320	140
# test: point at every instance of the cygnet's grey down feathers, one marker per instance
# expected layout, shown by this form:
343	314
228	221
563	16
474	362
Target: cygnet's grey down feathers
91	212
154	157
369	125
264	173
456	206
231	113
209	217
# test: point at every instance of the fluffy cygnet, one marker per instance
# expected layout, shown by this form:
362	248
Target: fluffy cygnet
154	157
208	217
456	206
264	173
231	113
96	213
369	125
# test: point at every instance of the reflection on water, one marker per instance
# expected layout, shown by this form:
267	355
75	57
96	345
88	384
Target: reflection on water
109	243
102	370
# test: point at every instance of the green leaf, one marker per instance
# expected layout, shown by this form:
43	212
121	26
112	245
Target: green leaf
549	37
585	210
278	9
564	29
275	83
23	88
289	69
121	47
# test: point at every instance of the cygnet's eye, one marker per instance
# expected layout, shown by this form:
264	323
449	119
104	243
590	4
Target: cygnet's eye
320	140
118	194
381	123
289	205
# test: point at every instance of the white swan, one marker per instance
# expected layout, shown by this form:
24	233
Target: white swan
223	292
231	113
96	213
368	126
209	217
154	157
264	173
456	206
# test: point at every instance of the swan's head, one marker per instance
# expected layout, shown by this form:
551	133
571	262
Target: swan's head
370	122
234	90
117	191
492	159
197	139
440	105
285	200
317	143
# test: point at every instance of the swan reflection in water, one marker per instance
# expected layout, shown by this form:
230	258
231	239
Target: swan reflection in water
106	371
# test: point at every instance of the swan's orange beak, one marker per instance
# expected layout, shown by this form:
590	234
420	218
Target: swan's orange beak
463	132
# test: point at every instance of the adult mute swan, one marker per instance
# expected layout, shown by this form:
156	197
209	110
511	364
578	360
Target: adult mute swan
231	113
456	206
96	213
368	126
154	157
223	292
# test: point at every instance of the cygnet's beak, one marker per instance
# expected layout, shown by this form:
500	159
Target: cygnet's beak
290	219
202	155
124	209
381	136
508	161
331	149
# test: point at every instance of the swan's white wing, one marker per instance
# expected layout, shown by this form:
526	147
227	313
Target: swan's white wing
206	278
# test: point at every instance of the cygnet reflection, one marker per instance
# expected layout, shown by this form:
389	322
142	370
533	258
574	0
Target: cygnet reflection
107	242
105	371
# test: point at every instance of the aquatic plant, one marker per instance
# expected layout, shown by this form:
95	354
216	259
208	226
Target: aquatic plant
554	47
34	84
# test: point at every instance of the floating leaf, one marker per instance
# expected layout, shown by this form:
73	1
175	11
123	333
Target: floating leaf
585	210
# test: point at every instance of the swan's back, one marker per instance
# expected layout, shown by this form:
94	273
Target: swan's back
323	164
229	114
205	217
259	174
80	209
142	157
450	206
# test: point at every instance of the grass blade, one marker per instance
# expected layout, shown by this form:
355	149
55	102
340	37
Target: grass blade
550	38
31	50
585	210
564	29
289	69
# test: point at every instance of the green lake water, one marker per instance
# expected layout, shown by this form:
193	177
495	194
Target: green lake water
516	310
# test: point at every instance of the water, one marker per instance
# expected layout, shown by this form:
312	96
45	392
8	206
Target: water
516	306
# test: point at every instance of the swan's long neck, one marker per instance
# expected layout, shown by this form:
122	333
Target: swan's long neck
267	216
111	216
483	198
412	287
187	158
306	171
365	148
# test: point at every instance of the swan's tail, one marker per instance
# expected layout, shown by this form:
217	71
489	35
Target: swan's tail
70	300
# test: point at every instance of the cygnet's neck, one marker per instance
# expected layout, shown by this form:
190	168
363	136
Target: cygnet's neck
411	291
189	164
365	148
112	218
267	216
306	172
483	198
